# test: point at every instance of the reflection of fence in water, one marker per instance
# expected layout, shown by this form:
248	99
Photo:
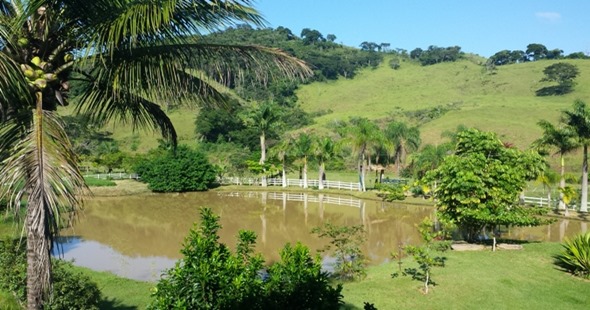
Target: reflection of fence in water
313	183
336	200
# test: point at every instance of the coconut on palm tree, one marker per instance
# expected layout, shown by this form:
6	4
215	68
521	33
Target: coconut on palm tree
121	59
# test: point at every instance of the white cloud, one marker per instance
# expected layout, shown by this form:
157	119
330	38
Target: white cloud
549	16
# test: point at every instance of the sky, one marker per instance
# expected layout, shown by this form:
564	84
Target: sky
482	27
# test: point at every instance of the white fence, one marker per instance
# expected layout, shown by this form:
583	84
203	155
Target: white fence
544	202
113	176
311	183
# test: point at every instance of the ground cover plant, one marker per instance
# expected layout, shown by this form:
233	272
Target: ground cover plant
575	255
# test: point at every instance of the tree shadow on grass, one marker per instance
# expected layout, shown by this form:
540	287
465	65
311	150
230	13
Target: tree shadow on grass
557	90
114	304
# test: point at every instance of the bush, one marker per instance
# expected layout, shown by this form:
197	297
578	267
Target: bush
575	256
181	170
210	276
71	290
390	192
298	279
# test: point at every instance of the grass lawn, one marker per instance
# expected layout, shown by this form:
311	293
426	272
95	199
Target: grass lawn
478	280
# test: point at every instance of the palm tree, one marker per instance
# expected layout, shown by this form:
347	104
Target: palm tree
124	58
303	149
578	119
281	151
264	118
403	139
562	139
429	158
362	135
325	150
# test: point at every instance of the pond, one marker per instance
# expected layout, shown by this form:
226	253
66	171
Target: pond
141	235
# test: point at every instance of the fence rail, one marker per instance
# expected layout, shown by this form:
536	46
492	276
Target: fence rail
113	176
312	183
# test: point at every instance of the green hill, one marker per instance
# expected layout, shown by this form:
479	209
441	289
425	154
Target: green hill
438	98
502	101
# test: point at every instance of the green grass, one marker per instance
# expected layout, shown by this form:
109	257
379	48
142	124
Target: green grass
119	293
524	279
90	181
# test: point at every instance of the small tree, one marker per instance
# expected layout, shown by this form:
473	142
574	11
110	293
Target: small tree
479	185
423	255
345	241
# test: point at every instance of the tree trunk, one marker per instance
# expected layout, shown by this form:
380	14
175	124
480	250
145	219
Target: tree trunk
305	172
284	176
562	205
263	157
321	177
584	202
38	268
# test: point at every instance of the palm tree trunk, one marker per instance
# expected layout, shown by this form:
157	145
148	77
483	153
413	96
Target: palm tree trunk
263	156
321	177
562	185
37	254
284	175
38	257
584	203
305	172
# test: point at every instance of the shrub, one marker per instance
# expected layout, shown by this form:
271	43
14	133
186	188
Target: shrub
181	170
575	255
210	276
71	290
298	279
390	192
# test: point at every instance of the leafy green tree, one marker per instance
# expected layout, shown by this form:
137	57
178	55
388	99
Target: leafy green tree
311	36
125	58
324	150
536	51
563	74
563	141
478	186
403	139
578	119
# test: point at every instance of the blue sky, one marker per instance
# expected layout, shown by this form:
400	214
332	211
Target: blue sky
477	26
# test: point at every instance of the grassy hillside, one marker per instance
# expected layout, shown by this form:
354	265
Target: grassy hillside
503	101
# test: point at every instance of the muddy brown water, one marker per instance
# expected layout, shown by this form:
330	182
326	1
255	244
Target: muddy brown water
141	235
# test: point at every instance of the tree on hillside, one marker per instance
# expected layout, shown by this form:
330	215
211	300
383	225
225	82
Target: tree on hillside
578	119
311	36
125	59
403	139
563	74
478	186
536	51
561	139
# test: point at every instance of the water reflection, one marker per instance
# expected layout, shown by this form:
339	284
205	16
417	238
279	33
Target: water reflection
137	236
